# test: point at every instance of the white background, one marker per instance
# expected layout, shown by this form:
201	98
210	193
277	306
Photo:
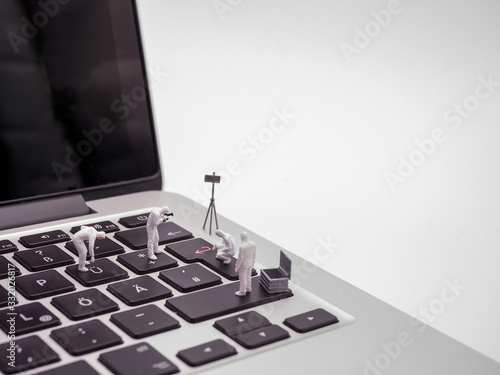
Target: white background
222	70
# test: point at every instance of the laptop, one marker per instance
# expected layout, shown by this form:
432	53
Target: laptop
78	148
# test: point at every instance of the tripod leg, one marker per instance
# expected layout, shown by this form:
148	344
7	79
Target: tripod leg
212	207
206	217
216	223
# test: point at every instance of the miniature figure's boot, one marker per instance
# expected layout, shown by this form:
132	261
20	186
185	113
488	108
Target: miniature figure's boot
81	265
151	252
223	254
248	276
153	238
245	282
82	255
151	248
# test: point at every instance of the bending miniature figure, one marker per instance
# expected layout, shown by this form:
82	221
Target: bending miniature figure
86	234
226	247
156	217
245	263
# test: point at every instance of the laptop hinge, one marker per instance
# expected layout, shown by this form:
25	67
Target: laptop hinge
40	211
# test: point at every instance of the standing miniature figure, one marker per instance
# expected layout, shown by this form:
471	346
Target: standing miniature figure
86	234
156	217
245	263
226	247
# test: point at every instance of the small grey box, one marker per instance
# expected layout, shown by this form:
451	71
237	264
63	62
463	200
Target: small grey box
275	280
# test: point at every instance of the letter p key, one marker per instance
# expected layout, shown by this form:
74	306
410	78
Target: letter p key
41	282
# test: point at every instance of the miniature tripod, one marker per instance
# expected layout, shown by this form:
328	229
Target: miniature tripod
211	208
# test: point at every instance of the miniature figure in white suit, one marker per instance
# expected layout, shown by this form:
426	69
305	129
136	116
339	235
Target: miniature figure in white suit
156	217
86	234
226	247
245	263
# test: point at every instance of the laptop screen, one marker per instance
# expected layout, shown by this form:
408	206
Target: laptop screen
74	104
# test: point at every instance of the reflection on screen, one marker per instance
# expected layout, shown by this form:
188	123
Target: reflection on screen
73	102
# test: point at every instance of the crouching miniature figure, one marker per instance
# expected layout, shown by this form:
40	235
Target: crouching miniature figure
226	247
86	234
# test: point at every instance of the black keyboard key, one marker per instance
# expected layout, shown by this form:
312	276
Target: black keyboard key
75	368
8	298
199	250
310	320
7	269
143	289
27	318
206	353
144	321
43	284
43	258
140	358
138	238
139	262
26	354
7	246
84	304
102	248
261	336
241	323
46	238
220	300
102	226
190	278
134	221
85	337
101	271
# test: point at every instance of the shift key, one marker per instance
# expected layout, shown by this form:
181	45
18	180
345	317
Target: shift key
221	300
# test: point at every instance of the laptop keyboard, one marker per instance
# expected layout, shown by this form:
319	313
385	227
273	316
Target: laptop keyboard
124	294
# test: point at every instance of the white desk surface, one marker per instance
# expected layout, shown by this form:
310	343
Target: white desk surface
431	246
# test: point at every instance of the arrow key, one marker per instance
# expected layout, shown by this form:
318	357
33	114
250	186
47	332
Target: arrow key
140	358
241	323
310	320
262	336
206	353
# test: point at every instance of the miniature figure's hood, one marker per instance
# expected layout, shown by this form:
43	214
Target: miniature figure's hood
244	236
164	210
